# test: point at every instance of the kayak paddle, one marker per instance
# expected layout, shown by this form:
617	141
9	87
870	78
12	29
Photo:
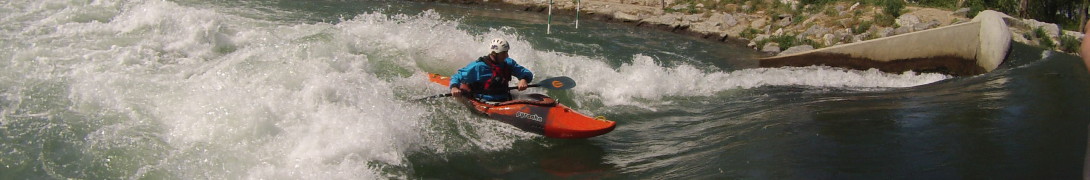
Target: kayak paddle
553	83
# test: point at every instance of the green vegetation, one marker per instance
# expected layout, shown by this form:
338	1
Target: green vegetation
1039	32
893	7
862	27
1069	44
1062	12
788	42
1042	38
749	33
1046	43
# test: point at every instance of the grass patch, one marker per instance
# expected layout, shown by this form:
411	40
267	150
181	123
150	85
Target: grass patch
862	27
1046	43
788	42
885	20
1069	44
1042	38
749	33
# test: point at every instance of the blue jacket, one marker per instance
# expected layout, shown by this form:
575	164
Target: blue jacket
478	72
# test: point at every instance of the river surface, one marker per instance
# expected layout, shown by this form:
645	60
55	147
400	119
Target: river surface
115	89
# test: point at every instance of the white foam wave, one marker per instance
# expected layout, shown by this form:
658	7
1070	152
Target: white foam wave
230	97
644	79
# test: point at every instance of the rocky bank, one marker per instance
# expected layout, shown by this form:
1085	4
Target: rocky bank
787	26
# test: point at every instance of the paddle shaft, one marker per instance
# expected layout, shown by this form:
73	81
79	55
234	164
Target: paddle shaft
449	94
553	83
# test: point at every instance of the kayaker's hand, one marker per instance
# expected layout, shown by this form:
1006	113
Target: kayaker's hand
522	84
455	92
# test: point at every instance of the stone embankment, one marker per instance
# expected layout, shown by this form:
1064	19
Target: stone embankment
781	27
970	48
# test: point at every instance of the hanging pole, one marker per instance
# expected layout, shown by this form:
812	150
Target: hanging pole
577	4
549	24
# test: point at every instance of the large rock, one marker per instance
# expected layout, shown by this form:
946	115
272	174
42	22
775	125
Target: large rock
885	32
760	37
797	49
926	25
907	20
829	39
843	35
705	27
693	18
902	30
1052	30
1016	37
961	12
670	19
1077	35
728	20
784	21
813	18
757	23
735	31
625	17
771	47
860	37
815	30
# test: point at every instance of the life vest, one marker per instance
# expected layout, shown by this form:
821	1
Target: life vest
501	75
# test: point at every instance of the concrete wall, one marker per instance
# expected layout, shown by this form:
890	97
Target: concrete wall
976	47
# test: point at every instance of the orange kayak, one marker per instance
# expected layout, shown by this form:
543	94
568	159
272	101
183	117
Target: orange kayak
542	115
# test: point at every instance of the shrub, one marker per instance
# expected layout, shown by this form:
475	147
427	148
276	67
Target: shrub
885	20
893	7
1039	32
949	4
975	6
1046	43
749	33
1042	38
862	27
1069	44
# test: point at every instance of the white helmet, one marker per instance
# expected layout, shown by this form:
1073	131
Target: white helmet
499	45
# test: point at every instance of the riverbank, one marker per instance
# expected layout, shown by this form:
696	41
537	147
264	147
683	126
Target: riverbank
788	26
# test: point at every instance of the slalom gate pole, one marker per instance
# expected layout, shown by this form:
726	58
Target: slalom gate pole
577	4
549	24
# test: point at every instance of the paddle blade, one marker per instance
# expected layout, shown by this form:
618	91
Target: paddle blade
433	97
557	83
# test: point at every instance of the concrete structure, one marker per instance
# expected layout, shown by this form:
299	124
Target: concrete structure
971	48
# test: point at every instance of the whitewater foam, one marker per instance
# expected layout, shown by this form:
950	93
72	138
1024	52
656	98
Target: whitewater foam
646	80
226	97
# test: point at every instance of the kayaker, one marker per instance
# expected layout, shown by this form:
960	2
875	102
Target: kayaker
486	78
